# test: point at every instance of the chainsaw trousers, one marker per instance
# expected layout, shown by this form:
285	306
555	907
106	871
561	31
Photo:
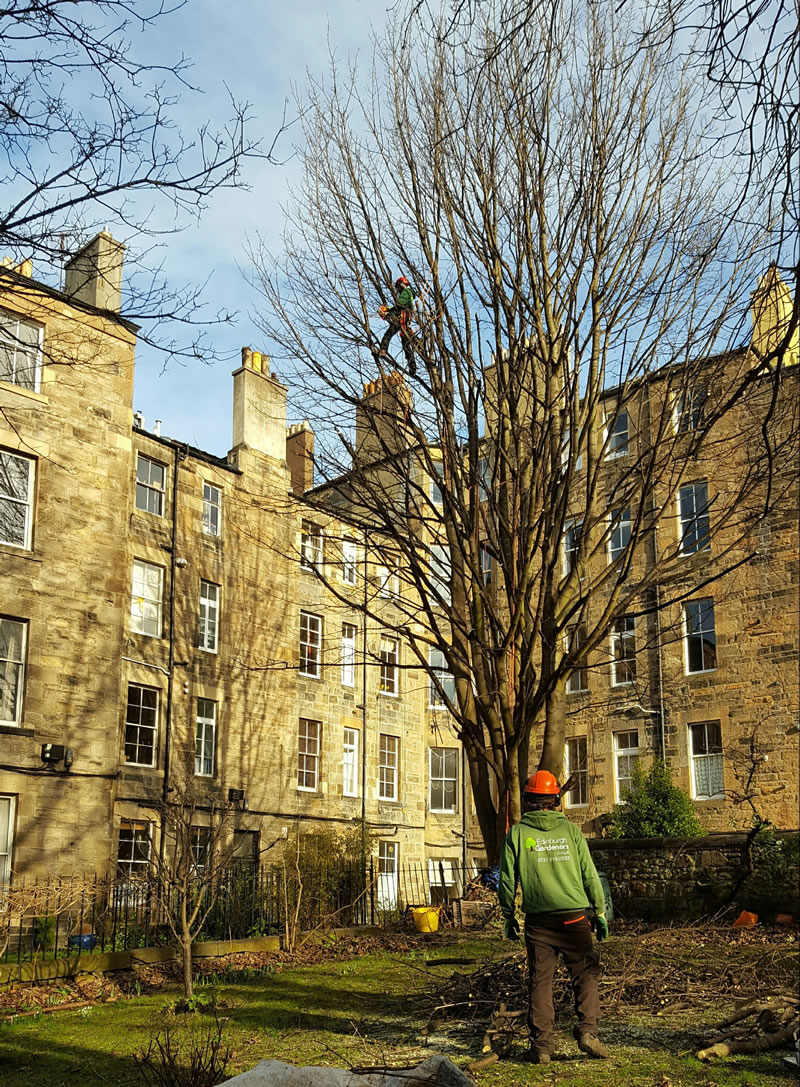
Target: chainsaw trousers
569	934
398	322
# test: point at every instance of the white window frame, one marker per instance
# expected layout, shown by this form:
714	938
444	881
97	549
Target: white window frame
135	867
615	448
573	530
349	636
623	637
11	338
578	796
208	633
443	754
619	533
200	846
440	571
565	451
717	770
486	563
629	753
389	581
151	490
15	665
689	408
484	479
349	560
388	766
389	680
435	492
24	502
703	630
310	645
438	664
212	505
578	680
350	748
148	598
701	512
388	874
309	745
205	738
8	805
310	546
450	867
140	725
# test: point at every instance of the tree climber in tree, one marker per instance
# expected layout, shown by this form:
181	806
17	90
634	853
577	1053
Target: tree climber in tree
399	317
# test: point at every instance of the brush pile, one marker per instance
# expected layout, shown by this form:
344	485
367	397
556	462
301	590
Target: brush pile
658	970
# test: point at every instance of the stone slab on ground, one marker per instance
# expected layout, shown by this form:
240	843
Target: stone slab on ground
435	1071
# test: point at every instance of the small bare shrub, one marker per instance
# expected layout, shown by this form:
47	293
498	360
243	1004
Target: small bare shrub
189	1051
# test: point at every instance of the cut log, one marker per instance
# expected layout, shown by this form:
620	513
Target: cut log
748	1045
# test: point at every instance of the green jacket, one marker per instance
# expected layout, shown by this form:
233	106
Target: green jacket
549	858
405	300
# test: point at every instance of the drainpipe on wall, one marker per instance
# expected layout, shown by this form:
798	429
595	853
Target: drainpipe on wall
364	700
464	808
660	662
179	456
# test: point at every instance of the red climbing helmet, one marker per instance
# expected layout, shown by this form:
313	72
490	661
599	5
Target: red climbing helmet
401	282
542	783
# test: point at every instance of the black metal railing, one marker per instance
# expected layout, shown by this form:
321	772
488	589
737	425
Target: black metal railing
54	917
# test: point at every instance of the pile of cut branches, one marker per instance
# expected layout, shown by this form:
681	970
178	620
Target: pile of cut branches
644	967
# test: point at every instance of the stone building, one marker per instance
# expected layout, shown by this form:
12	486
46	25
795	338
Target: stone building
66	383
174	620
710	682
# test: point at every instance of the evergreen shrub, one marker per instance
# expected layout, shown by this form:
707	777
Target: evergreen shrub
654	808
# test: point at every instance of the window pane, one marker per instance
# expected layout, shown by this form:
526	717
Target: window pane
16	477
577	764
140	725
212	497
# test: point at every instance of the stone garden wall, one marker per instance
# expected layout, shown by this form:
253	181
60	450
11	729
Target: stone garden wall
659	879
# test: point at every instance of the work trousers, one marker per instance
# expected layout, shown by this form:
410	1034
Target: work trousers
399	322
546	936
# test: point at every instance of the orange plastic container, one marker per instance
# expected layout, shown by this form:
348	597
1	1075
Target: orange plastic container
746	920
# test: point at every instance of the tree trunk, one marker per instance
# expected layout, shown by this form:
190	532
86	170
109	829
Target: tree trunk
186	953
485	811
552	757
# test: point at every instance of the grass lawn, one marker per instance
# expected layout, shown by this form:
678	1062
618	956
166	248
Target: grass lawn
369	1011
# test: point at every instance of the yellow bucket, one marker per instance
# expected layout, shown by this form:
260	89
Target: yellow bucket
426	918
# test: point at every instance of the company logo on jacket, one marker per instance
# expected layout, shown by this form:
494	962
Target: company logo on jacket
549	849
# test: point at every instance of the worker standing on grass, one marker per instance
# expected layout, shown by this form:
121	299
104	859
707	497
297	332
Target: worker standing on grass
399	317
547	856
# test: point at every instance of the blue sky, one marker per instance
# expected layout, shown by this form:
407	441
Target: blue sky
260	51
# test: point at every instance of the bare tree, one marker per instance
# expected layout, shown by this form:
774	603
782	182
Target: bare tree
748	57
88	137
578	359
187	871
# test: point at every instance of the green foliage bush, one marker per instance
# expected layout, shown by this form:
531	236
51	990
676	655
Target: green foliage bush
654	808
44	933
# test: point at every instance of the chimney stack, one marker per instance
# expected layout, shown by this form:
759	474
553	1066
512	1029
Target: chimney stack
300	456
382	418
94	274
771	305
259	407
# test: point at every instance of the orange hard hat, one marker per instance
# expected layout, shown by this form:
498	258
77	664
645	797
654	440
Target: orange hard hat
543	783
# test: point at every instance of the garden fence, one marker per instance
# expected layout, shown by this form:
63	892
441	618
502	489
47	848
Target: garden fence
53	917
